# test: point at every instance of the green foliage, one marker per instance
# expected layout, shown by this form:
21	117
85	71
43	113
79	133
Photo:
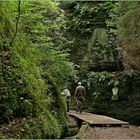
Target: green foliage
45	126
87	33
22	76
34	70
93	14
54	61
1	136
106	79
56	70
126	27
113	18
8	101
96	78
114	82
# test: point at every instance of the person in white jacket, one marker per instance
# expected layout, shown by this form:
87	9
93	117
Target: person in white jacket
67	95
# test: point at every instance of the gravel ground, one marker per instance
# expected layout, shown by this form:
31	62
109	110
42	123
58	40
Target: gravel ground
132	132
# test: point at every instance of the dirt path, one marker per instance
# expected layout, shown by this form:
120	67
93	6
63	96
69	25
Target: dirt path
132	132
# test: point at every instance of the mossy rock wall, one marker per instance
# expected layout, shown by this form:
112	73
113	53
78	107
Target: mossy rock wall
99	95
83	18
26	95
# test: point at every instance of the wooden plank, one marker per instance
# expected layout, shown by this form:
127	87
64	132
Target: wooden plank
96	119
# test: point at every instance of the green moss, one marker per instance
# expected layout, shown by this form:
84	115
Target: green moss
45	126
1	136
30	73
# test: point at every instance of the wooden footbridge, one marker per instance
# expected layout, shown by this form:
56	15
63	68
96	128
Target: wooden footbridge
94	119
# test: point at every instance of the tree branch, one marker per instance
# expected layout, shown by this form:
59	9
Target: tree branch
17	21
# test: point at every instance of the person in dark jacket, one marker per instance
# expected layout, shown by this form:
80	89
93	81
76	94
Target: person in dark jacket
79	95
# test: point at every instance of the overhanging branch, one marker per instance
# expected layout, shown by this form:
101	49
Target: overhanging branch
17	21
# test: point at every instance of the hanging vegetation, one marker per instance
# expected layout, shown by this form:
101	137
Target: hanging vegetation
33	70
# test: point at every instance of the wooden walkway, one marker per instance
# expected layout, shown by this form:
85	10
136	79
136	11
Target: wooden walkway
94	119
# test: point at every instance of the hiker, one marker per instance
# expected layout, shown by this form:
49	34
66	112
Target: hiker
79	95
67	95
